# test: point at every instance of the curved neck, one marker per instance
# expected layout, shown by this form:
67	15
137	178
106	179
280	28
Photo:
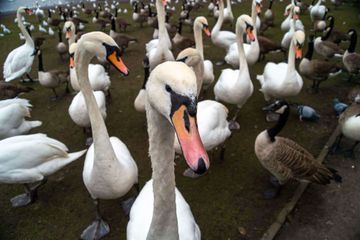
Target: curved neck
327	35
272	132
161	22
103	151
310	50
228	5
164	225
254	16
28	39
352	45
40	66
198	40
239	39
318	3
220	20
291	57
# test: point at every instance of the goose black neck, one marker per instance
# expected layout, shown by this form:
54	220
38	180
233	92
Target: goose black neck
272	132
310	50
60	36
180	27
146	76
97	15
28	30
71	14
271	3
113	24
353	40
327	35
49	12
41	67
135	7
332	22
116	12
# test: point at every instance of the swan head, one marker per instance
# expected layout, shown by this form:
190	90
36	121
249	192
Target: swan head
258	6
245	22
171	91
190	56
298	41
22	10
69	29
202	23
72	50
296	12
102	46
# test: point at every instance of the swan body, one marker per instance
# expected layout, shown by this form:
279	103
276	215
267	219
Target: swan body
317	12
12	117
282	80
20	60
30	158
292	11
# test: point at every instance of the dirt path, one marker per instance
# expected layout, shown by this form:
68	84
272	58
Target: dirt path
331	212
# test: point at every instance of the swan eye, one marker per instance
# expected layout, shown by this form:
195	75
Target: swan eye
168	88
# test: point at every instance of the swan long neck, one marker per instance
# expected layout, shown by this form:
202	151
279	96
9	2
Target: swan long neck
253	17
164	225
28	39
220	20
228	5
239	39
161	21
291	57
103	150
272	132
198	40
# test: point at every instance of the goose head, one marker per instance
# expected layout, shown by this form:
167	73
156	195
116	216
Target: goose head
258	6
202	23
279	107
22	10
190	56
171	91
298	42
245	23
102	46
69	29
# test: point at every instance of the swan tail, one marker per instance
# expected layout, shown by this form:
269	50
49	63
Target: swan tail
34	124
50	167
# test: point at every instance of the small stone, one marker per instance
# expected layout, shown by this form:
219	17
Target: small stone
329	223
353	166
242	231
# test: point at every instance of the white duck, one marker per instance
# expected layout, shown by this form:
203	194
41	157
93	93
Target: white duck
19	60
12	117
160	211
252	50
28	159
282	80
222	39
109	170
235	86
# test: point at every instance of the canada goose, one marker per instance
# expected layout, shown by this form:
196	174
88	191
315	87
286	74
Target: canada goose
171	105
267	46
87	11
61	48
137	15
286	159
316	69
320	25
140	99
121	39
77	21
55	22
39	13
317	11
12	117
354	94
28	159
351	59
52	79
180	41
102	23
269	15
326	48
122	24
336	36
9	90
108	158
19	61
349	122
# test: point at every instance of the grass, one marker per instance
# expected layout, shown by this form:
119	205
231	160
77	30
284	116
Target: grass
228	197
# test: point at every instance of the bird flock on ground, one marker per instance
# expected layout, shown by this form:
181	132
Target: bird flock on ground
179	118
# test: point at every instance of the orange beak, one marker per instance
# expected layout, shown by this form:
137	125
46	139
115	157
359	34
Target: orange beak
191	145
298	52
250	34
258	8
72	62
207	31
68	35
118	63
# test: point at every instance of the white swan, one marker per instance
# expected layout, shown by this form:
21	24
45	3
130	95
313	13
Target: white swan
228	14
161	52
12	117
160	212
282	80
252	50
235	86
286	40
317	12
292	12
222	39
69	29
19	60
31	158
109	170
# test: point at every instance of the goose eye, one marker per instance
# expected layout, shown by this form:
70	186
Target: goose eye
168	88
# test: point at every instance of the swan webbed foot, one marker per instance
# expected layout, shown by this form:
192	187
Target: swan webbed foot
191	174
233	125
98	229
24	199
127	204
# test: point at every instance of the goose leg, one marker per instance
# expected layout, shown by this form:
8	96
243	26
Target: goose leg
29	196
336	145
56	97
222	151
272	192
350	152
98	228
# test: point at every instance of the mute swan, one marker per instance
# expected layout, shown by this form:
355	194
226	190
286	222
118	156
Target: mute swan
140	99
235	86
69	30
317	12
12	117
222	39
61	47
19	61
292	12
109	169
31	158
228	14
282	80
252	50
285	159
160	211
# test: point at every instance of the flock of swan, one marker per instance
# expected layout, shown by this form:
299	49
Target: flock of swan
178	120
